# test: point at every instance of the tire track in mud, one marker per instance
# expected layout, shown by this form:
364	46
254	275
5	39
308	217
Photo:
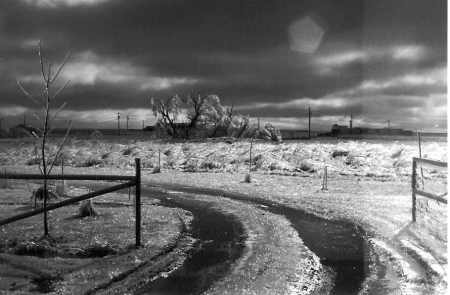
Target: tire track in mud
340	245
212	255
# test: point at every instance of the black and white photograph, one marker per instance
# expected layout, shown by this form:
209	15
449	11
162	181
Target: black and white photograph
235	147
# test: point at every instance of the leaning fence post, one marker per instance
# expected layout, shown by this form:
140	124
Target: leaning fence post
138	201
413	186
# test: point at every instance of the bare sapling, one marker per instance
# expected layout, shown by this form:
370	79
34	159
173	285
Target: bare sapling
46	116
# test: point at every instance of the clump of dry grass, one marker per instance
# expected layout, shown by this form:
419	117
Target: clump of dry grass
247	178
91	162
87	209
99	250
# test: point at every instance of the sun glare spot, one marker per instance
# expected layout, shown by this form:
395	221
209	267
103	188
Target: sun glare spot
305	35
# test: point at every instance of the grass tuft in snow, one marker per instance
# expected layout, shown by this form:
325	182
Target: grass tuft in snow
247	178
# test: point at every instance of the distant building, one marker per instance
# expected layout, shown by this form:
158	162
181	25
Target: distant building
295	134
337	130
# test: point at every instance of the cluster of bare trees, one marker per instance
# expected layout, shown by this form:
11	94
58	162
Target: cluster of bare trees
198	116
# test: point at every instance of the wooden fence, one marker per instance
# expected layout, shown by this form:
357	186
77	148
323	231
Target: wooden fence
416	191
130	182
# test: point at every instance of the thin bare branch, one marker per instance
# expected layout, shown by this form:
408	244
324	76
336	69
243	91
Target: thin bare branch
49	72
41	61
61	89
61	107
40	168
61	66
63	142
36	115
27	94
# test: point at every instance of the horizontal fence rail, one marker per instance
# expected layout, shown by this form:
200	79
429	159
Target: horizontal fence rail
431	196
416	191
67	177
430	162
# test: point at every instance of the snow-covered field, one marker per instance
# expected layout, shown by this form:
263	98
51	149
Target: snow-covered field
346	157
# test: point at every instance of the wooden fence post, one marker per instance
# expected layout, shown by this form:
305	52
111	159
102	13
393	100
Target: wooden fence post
138	202
420	156
413	186
325	179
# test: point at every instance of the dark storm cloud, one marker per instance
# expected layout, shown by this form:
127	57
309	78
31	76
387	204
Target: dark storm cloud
239	50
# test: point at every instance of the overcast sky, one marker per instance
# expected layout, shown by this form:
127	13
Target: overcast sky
378	60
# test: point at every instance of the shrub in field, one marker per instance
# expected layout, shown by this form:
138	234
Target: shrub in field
130	151
39	195
87	209
99	250
91	162
339	153
247	178
33	161
35	248
96	135
306	166
210	165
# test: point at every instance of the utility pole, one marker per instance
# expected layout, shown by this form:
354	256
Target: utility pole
309	121
259	125
351	122
128	119
118	122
